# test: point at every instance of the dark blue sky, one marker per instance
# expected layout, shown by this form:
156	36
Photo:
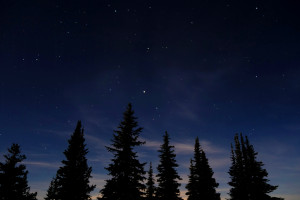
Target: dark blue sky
195	68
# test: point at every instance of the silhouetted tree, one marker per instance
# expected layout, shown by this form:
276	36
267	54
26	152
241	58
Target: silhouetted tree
13	177
248	178
72	179
52	192
150	190
126	171
201	183
168	186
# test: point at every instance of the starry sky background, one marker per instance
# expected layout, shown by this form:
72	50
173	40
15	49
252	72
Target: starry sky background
194	68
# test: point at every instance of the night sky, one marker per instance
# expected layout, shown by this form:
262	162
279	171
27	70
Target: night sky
194	68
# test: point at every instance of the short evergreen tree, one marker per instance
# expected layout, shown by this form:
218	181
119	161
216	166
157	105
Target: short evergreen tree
248	178
150	190
126	171
168	186
72	179
52	192
13	177
201	183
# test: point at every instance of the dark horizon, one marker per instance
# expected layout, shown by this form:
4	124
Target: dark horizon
188	149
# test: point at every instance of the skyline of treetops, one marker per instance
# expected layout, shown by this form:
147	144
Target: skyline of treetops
129	178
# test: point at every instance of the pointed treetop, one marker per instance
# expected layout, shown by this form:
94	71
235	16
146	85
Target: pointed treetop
13	180
166	137
78	126
168	185
126	171
72	179
248	177
14	154
201	183
150	189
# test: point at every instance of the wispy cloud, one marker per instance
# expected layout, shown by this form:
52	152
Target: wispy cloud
289	196
186	147
219	162
96	142
42	164
56	132
190	99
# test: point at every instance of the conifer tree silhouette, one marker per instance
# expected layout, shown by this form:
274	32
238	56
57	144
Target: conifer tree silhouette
201	183
168	186
13	177
126	171
150	190
52	192
72	179
248	178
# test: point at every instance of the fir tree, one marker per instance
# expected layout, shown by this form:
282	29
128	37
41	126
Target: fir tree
237	173
126	171
150	191
201	183
192	189
72	179
168	186
52	192
248	178
13	177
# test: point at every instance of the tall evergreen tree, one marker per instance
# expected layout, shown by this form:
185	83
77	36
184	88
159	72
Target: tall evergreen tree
192	189
150	190
126	171
237	173
201	183
168	186
13	177
248	178
72	179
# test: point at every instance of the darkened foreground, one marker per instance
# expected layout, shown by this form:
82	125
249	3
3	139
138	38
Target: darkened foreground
128	179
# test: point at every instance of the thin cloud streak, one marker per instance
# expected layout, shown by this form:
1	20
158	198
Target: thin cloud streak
186	147
42	164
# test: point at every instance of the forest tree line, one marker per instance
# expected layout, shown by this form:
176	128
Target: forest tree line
128	178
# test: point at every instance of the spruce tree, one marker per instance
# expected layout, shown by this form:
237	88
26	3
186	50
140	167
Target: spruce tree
248	177
52	192
150	190
168	186
237	173
13	177
72	179
192	189
126	171
201	183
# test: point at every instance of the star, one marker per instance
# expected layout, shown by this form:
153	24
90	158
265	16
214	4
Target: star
144	91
